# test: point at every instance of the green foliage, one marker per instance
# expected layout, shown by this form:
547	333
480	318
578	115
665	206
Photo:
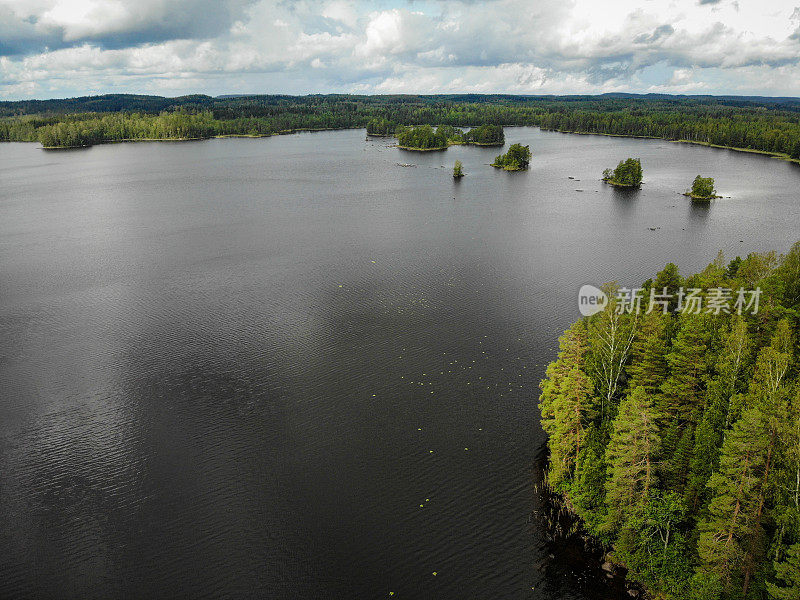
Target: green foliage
517	158
769	126
652	545
682	453
423	137
729	545
631	455
486	135
124	126
380	126
788	574
703	187
458	169
627	174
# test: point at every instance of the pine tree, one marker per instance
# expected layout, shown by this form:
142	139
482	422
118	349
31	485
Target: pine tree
588	490
572	350
572	408
704	459
683	389
648	368
733	523
631	455
788	574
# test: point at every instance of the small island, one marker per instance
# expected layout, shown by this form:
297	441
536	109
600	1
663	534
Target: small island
458	170
627	174
381	128
426	138
702	189
517	158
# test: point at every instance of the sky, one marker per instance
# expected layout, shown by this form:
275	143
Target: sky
65	48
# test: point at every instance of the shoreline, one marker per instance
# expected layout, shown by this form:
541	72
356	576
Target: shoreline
777	155
191	139
413	149
567	538
509	169
622	185
701	198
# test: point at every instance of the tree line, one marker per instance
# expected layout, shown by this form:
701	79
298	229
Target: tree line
757	124
674	434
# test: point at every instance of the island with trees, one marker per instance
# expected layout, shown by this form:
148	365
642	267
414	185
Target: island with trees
381	127
458	170
517	158
702	189
674	433
484	135
425	137
627	174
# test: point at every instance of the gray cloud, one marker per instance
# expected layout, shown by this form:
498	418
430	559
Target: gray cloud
658	33
180	46
135	23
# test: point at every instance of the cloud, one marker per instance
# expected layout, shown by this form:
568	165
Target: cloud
67	47
35	26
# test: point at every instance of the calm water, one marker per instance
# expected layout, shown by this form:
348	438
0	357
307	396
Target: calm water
237	368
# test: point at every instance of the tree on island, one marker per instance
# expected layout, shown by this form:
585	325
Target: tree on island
627	174
381	127
485	135
423	137
458	170
517	158
703	188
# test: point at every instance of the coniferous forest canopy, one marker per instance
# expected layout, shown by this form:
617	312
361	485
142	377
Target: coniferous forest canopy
675	435
763	124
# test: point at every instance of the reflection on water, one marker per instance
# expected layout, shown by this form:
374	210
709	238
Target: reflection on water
289	367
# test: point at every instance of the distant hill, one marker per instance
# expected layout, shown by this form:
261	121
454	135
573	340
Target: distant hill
155	104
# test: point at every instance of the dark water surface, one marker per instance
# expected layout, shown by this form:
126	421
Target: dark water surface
237	368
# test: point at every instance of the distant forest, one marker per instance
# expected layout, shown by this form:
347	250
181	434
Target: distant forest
763	124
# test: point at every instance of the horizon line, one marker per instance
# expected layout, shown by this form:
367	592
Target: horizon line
409	94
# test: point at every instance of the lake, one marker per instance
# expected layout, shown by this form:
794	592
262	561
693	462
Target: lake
291	368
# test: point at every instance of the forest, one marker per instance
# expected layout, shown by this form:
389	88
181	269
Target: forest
759	124
674	431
